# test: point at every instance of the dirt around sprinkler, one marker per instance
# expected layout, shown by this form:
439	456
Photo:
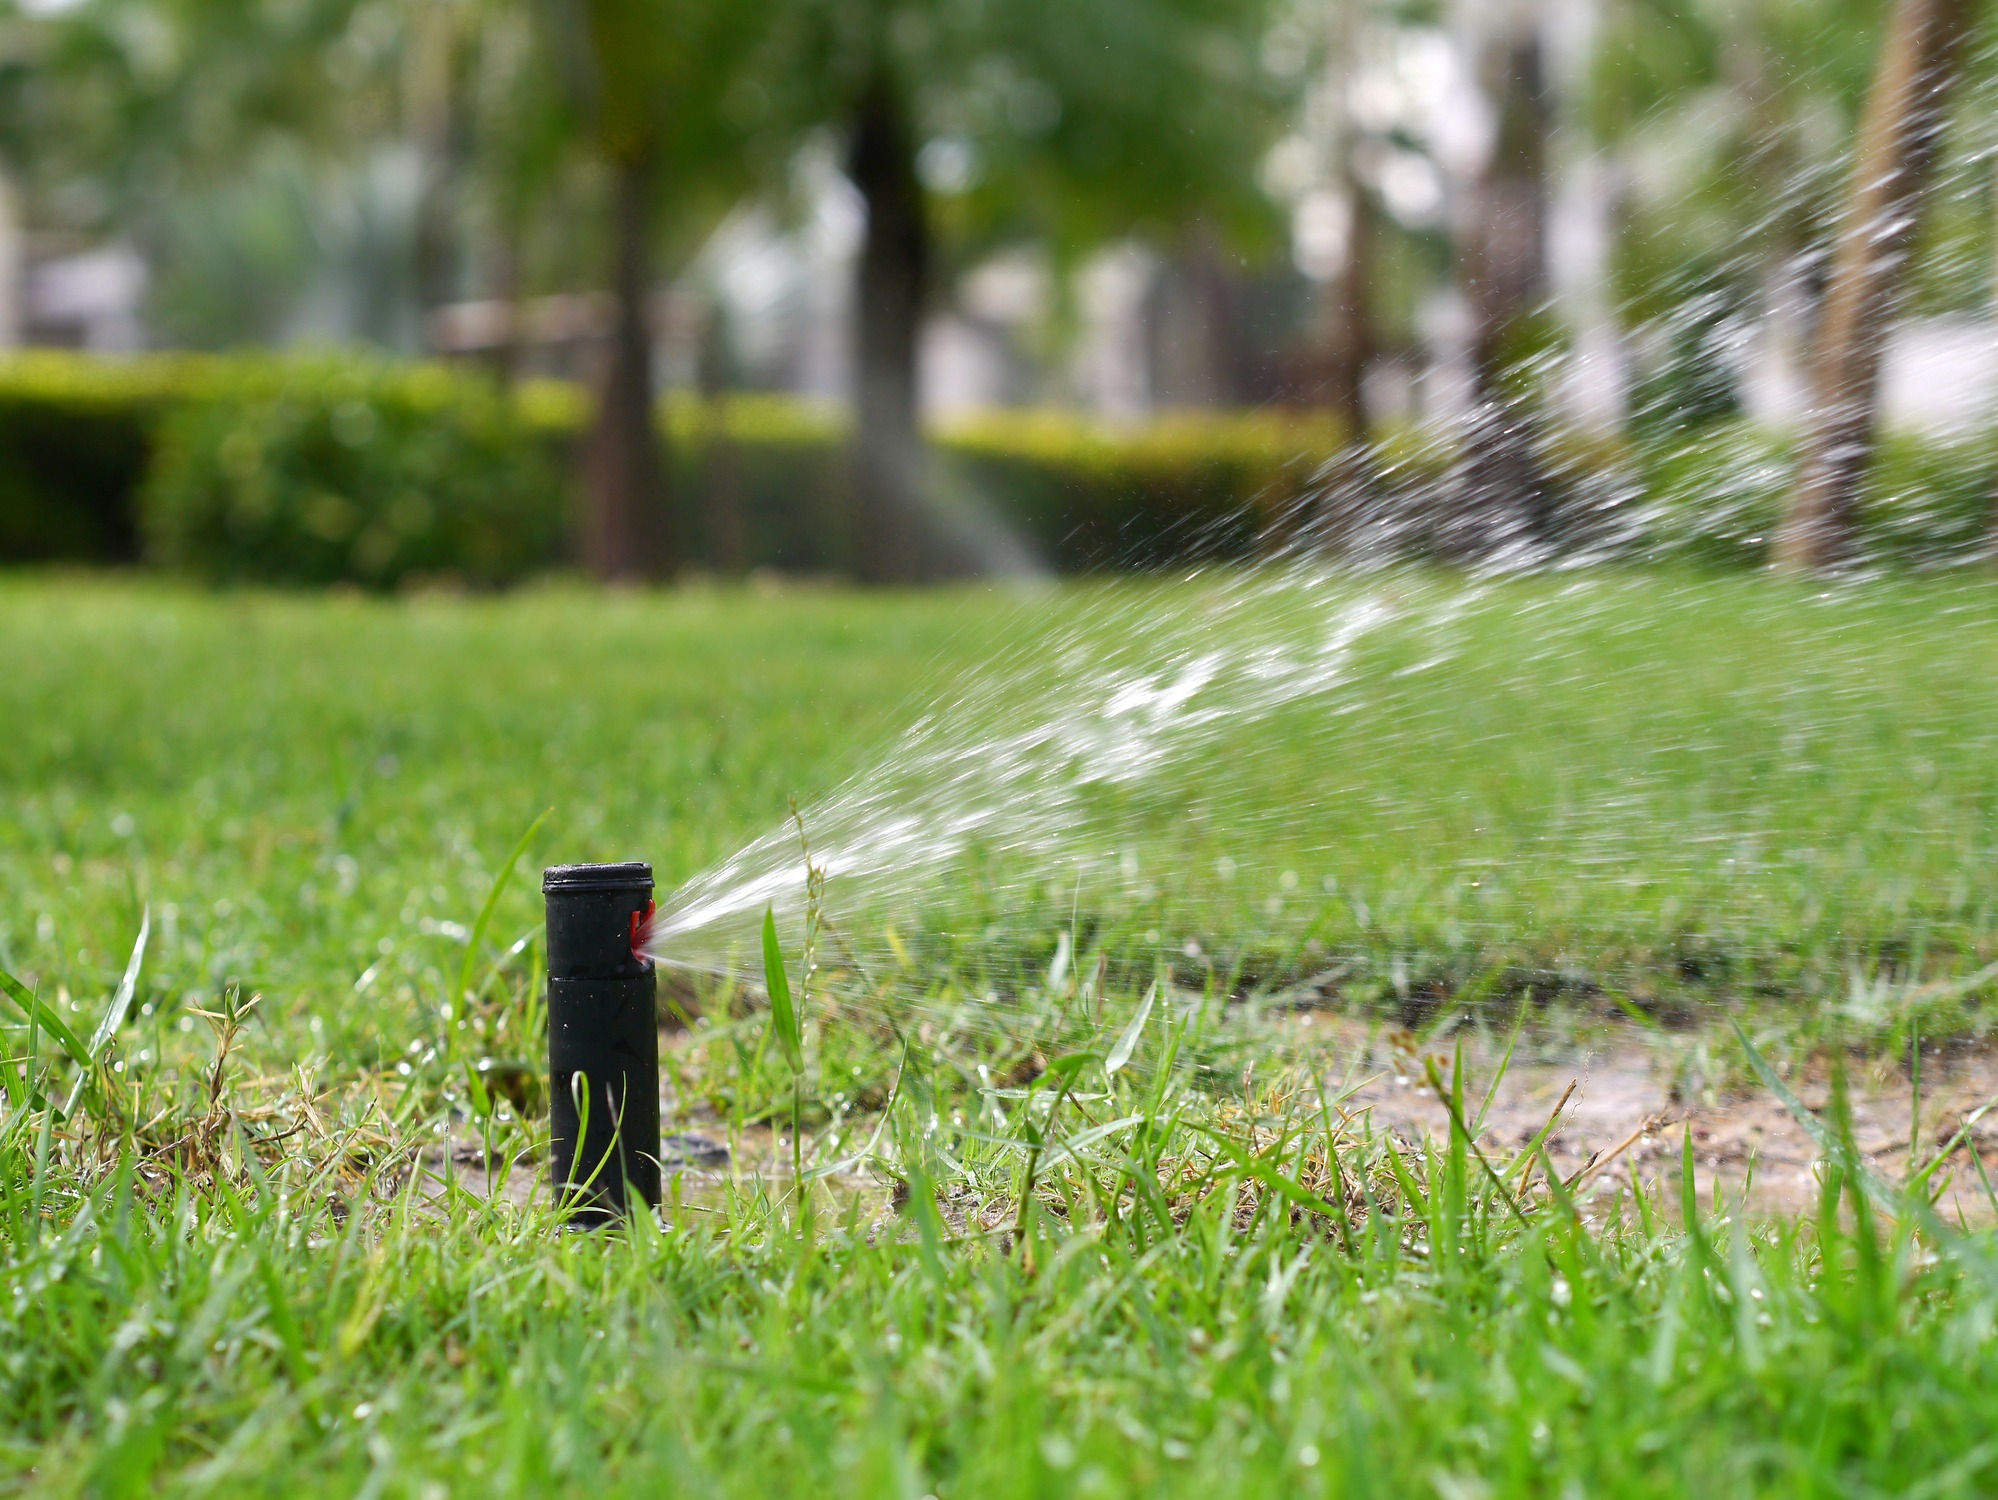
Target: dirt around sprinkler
701	1168
1623	1117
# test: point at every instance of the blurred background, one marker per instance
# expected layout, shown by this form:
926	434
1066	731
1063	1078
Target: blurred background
387	292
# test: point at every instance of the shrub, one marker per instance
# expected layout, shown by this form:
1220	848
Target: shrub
759	481
1931	503
1715	499
349	469
1188	484
344	468
75	439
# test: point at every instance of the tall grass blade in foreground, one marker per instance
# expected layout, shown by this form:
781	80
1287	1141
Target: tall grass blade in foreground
783	1013
44	1016
785	1021
462	996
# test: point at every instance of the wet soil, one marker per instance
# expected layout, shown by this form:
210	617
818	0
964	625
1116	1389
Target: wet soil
1622	1117
1625	1118
702	1167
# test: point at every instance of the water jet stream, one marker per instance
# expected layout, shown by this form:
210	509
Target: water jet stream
1033	763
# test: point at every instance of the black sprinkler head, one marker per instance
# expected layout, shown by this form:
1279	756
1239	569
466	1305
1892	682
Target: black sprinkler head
603	1039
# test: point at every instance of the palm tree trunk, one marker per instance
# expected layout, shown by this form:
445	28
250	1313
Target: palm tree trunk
436	109
1991	525
895	261
1899	141
625	533
508	353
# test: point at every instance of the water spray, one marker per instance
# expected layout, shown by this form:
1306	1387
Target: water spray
603	1039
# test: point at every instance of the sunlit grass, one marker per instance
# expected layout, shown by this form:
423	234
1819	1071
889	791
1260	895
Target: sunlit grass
1685	790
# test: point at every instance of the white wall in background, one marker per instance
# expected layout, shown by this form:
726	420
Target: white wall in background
1113	375
1940	376
90	299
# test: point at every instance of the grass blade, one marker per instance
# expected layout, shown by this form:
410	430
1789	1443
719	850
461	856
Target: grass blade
121	1003
1910	1201
53	1024
1822	1135
1452	1095
1128	1042
1498	1076
460	997
783	1014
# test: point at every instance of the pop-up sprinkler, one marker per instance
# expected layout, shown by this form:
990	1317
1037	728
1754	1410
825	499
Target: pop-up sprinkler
603	1039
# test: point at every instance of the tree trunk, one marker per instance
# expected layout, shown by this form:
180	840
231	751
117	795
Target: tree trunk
895	258
721	475
435	250
1348	492
508	353
11	259
1505	498
1899	140
625	534
1991	524
438	126
1350	344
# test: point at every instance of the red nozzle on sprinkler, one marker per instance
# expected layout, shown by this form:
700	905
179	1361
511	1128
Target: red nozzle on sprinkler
603	1039
641	930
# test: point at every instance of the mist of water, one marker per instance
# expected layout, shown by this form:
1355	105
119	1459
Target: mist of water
1063	762
1008	762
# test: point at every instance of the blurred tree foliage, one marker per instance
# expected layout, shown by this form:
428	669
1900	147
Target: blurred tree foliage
969	123
649	82
616	133
1731	120
299	168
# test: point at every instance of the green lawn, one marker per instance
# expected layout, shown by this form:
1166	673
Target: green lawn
1683	791
1671	786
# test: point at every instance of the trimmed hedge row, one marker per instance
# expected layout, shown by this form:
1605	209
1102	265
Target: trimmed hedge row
75	440
329	471
759	482
349	468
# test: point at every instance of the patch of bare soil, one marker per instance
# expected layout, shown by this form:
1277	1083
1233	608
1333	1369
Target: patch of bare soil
1622	1120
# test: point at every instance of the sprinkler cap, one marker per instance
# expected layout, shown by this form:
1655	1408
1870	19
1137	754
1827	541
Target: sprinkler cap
621	877
596	919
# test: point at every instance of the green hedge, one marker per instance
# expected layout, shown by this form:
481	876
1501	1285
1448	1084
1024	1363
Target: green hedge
758	482
350	468
75	442
1186	484
1715	497
330	470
